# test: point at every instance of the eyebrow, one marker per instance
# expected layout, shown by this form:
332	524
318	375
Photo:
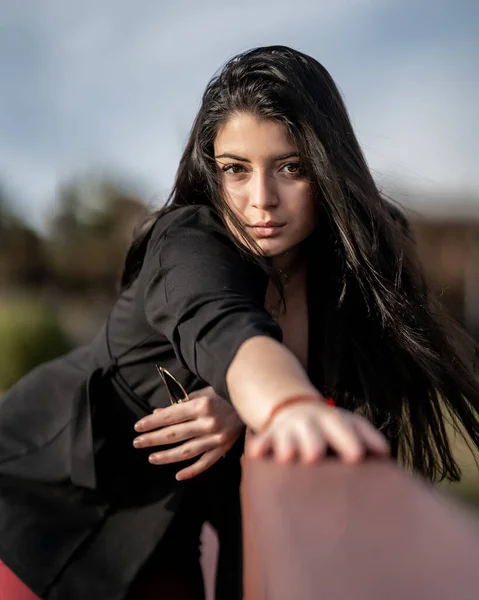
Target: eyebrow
241	159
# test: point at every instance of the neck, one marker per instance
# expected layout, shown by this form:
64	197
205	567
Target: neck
292	269
289	263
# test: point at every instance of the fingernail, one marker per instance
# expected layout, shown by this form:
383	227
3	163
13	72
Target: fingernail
138	426
153	458
137	442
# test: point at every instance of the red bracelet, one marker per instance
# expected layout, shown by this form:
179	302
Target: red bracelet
295	400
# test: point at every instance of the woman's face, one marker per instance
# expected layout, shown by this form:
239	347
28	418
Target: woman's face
264	183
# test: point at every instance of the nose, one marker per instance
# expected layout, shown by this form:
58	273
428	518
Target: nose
263	191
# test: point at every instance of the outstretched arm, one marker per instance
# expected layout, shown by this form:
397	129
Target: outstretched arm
264	374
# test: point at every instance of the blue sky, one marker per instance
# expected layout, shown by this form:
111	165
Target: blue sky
113	85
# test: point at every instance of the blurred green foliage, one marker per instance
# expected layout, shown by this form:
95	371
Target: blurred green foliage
30	334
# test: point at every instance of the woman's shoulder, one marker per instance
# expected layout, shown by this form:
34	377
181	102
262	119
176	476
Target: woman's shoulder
195	244
194	217
194	226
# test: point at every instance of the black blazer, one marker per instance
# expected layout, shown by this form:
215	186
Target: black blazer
81	510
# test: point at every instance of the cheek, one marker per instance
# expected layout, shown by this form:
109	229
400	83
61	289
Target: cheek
311	210
237	205
303	210
236	197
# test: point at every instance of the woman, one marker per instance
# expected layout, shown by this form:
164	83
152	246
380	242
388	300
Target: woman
274	232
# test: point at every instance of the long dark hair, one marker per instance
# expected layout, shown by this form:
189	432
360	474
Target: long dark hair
384	346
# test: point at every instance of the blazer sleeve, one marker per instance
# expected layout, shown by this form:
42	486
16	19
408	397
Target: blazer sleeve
204	296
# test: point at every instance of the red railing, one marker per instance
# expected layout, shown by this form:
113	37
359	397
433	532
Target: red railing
362	532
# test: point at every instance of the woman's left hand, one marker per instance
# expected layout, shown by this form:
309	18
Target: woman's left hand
208	425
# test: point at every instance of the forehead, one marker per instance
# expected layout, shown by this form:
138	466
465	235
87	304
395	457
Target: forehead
246	135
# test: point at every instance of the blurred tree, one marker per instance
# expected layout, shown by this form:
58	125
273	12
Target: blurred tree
22	258
90	234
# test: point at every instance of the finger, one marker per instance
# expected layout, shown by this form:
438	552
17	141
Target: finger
285	446
207	391
171	415
202	464
196	428
173	434
342	437
372	438
312	445
259	445
184	452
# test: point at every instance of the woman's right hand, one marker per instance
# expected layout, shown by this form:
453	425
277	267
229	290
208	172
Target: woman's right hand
306	430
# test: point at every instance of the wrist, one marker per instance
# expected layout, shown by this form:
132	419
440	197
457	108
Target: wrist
292	400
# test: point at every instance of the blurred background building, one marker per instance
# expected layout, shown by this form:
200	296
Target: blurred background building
97	100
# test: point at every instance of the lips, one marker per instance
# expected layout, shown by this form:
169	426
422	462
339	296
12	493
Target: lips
267	228
267	224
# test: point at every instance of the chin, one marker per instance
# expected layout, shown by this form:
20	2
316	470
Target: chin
273	247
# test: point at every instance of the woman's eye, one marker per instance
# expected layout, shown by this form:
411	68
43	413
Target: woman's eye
293	169
233	168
